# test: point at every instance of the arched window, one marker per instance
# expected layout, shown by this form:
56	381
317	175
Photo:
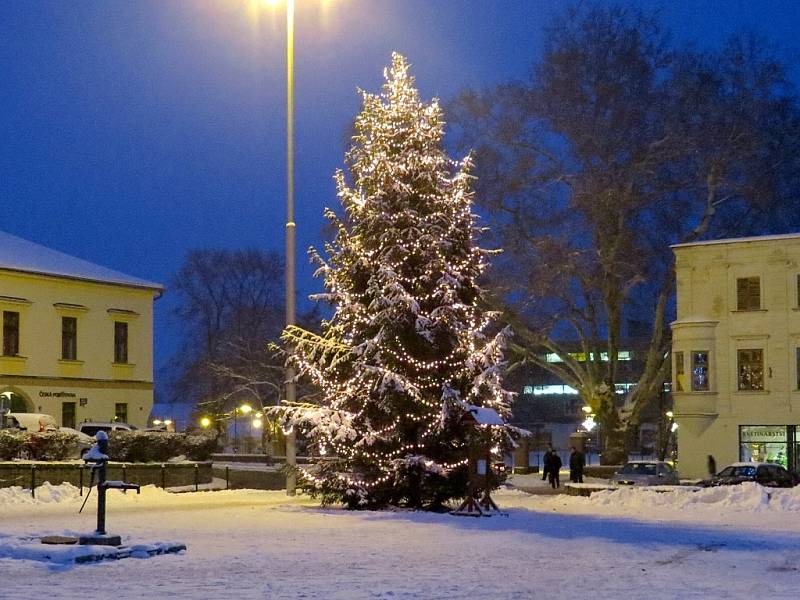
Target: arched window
12	402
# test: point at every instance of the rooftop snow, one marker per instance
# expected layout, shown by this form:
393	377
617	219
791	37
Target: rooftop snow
741	240
21	255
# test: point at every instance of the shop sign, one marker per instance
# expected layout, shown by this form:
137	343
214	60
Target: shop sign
70	395
763	434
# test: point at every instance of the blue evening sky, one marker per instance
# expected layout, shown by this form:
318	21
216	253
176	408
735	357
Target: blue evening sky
134	131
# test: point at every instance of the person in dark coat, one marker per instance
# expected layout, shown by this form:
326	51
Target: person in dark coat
712	465
546	462
576	463
553	469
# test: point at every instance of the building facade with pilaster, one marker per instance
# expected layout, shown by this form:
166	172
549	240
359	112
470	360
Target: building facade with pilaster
736	352
77	338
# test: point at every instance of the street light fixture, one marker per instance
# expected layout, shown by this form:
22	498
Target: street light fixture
205	422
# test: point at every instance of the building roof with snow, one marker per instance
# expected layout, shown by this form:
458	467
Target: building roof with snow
23	256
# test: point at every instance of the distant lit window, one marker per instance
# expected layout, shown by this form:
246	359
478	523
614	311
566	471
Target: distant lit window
553	390
622	355
751	369
121	412
528	389
748	293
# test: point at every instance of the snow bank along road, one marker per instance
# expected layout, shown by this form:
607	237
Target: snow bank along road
735	542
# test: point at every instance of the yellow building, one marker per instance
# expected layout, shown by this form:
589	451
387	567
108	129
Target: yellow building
736	352
77	338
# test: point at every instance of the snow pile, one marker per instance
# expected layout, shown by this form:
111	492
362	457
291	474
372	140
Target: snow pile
45	494
747	497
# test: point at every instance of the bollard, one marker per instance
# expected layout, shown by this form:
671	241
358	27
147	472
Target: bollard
80	480
33	481
196	477
227	477
163	477
124	476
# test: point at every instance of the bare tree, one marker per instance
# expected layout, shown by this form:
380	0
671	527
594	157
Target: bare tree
617	146
230	308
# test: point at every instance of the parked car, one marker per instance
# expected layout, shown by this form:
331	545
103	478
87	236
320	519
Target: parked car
90	428
646	472
766	474
31	422
84	441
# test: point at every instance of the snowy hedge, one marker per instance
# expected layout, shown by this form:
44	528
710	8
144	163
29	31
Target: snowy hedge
50	445
157	446
11	444
124	446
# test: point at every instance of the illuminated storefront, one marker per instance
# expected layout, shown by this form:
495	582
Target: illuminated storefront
770	443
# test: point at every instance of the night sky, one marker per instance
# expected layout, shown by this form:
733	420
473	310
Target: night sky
134	131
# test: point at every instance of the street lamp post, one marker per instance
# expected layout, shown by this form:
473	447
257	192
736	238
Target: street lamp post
291	458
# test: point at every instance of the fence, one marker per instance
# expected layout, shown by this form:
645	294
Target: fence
33	474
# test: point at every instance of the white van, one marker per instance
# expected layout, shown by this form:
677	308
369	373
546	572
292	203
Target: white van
31	422
91	428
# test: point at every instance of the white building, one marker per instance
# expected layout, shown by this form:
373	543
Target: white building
736	352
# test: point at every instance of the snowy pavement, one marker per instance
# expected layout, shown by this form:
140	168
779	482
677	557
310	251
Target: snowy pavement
718	543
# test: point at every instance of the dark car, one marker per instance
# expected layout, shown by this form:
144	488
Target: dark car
766	474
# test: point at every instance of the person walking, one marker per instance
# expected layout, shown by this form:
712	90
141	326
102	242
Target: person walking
576	463
712	465
553	469
546	461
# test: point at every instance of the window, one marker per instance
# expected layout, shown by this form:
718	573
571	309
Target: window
797	367
765	443
68	414
69	338
680	375
120	342
751	369
121	412
10	333
700	371
748	293
798	291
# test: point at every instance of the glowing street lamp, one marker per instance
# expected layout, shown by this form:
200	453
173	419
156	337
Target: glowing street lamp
205	422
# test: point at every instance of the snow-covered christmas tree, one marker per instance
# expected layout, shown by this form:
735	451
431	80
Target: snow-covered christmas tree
408	351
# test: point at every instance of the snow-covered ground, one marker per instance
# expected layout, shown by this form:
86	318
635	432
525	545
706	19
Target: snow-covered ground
736	542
